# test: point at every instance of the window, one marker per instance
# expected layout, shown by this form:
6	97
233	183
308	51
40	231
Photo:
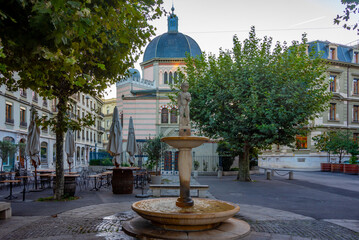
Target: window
91	104
78	134
23	117
356	57
83	99
165	78
170	79
108	110
87	135
23	92
356	137
175	77
356	86
8	113
332	53
35	97
44	102
333	83
108	123
173	115
87	102
301	142
332	111
164	115
83	135
355	113
78	113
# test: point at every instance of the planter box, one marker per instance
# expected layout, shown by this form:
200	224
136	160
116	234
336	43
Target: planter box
326	167
337	167
230	173
351	169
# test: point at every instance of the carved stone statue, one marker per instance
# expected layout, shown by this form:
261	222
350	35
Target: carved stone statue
184	97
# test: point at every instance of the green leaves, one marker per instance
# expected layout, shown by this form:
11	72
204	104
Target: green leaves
256	94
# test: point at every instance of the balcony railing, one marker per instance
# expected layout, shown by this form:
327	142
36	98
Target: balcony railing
54	108
9	120
23	124
23	93
44	103
35	98
45	130
101	128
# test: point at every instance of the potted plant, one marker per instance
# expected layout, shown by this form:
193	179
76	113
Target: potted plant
352	167
154	148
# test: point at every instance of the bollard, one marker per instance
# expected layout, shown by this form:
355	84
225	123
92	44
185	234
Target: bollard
219	174
268	175
272	173
291	175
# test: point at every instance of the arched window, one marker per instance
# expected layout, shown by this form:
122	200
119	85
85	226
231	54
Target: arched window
175	77
78	156
164	115
173	115
165	78
170	79
44	154
83	155
9	163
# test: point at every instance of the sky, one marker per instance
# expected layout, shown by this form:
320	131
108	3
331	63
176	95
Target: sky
213	23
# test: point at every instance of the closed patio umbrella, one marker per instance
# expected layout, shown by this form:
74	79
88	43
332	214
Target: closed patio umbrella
131	142
114	146
33	142
70	147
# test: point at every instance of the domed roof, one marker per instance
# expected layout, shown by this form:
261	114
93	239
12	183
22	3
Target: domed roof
134	73
172	44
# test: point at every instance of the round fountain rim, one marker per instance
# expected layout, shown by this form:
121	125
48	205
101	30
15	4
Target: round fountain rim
231	212
195	138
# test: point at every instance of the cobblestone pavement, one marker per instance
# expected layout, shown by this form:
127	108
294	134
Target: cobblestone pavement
110	227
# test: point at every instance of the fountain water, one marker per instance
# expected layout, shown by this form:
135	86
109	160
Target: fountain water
184	218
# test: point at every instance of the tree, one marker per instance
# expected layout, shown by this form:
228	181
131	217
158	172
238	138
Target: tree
59	48
154	149
336	142
351	9
7	149
253	96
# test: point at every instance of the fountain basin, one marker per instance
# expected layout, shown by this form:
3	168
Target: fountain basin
184	141
204	214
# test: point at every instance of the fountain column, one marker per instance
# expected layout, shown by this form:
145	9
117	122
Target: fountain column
185	168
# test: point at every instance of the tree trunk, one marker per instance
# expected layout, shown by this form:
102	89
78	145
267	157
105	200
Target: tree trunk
243	165
61	106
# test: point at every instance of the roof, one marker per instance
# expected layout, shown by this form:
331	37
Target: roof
344	53
172	44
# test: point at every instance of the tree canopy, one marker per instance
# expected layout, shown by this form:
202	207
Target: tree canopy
254	95
337	143
60	47
351	8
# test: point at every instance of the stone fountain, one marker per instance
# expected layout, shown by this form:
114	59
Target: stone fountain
185	218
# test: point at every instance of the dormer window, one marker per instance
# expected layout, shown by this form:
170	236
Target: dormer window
356	57
332	53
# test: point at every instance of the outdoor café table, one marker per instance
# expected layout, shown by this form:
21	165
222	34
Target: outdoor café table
107	174
10	197
24	182
42	171
122	180
46	177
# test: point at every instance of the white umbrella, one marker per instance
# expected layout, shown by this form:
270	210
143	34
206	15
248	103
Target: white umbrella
131	142
114	146
70	147
33	140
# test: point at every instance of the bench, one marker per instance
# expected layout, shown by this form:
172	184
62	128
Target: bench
5	210
156	189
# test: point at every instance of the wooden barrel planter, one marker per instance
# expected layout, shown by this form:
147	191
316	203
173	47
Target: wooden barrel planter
122	181
326	167
70	186
351	169
337	167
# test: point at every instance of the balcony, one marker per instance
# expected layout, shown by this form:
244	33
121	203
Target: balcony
9	121
99	128
44	103
45	130
35	98
23	124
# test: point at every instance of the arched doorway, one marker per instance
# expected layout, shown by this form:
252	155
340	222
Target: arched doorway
22	146
9	163
44	160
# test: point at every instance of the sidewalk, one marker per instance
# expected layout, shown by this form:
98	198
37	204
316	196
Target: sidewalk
99	215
